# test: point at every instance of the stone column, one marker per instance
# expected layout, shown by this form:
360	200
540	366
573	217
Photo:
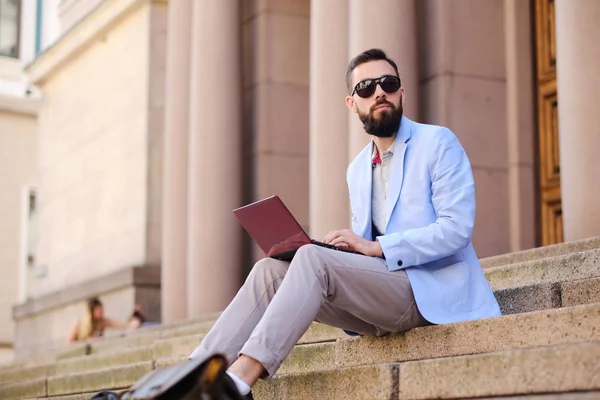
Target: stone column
174	239
214	240
391	26
520	123
328	160
577	57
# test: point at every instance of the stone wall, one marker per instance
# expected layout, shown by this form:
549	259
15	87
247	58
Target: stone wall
99	169
43	324
17	171
94	159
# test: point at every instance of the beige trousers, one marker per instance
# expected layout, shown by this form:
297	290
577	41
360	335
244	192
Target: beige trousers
279	301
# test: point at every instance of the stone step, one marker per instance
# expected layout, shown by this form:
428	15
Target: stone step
373	382
527	329
81	396
561	281
559	396
546	283
140	338
541	328
316	333
515	372
520	331
116	377
542	296
178	347
564	268
507	373
133	351
26	373
539	253
534	285
31	389
522	271
556	396
104	360
40	359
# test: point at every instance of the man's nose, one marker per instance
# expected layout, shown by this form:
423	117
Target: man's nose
379	92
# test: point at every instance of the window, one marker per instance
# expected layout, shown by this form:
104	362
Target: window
10	11
29	234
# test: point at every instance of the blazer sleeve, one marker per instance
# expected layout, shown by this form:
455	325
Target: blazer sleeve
453	199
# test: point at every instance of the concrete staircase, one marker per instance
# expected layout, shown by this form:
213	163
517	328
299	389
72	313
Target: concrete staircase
545	347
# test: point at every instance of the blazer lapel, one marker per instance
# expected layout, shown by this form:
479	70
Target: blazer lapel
365	188
397	172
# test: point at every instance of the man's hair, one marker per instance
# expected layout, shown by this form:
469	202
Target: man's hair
364	57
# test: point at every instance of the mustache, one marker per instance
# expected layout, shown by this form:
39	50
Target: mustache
381	102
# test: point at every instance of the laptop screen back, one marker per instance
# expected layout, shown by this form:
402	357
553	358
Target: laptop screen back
272	226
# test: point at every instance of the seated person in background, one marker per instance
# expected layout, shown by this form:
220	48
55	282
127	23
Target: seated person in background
137	319
93	323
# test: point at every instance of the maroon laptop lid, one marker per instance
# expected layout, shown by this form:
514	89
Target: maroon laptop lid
272	226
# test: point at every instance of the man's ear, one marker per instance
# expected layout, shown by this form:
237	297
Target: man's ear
351	104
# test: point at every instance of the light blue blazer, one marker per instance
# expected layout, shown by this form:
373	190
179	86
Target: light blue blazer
430	213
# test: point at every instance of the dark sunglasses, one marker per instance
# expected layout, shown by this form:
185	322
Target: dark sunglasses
366	88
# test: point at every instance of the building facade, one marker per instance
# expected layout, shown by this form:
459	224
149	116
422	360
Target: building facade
20	38
158	118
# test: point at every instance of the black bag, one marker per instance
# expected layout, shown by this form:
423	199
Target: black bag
105	395
203	379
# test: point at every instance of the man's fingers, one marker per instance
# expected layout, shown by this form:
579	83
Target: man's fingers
330	236
338	241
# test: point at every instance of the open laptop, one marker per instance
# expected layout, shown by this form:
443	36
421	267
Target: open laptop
275	230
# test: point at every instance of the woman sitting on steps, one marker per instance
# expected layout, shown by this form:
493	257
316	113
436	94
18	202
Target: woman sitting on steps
93	323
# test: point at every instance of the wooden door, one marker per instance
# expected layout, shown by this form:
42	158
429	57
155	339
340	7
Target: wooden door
550	207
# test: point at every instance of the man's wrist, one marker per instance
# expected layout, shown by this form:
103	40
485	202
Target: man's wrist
377	250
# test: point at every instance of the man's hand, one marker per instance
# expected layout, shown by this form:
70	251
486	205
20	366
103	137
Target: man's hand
347	239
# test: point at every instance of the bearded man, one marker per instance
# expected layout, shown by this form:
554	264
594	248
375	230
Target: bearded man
412	197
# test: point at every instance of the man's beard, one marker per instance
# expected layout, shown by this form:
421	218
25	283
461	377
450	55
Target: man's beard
388	122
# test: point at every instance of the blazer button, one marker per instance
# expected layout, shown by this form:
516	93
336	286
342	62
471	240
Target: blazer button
399	263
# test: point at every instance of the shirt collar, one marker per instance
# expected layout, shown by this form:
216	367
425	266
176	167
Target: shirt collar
386	154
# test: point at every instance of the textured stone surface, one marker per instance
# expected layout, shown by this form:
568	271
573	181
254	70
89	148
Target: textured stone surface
104	360
75	350
360	383
539	370
167	362
185	330
540	328
321	333
305	358
529	298
564	268
558	396
176	347
126	342
114	378
18	148
541	252
80	396
25	373
580	292
23	390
